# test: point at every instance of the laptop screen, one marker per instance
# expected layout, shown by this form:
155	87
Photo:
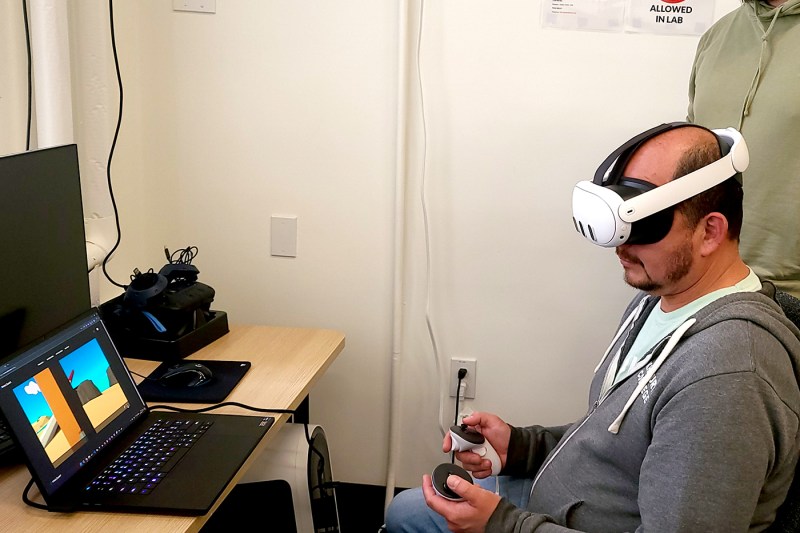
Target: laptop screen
67	398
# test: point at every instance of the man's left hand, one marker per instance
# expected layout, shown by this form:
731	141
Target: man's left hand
468	516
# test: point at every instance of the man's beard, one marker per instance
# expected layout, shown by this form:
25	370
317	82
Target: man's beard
678	265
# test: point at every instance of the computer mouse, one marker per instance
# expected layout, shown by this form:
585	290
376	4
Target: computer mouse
186	375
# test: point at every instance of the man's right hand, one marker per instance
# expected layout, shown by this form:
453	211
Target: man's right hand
494	430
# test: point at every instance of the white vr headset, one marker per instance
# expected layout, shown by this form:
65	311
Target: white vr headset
613	209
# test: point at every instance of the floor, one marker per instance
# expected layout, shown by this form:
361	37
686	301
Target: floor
361	507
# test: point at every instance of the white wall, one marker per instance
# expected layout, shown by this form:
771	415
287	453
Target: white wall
516	115
289	108
13	79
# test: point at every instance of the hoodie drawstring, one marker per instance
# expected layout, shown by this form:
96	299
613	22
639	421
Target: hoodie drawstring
751	93
673	341
630	318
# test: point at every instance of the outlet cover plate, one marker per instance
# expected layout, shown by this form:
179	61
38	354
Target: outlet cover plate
469	379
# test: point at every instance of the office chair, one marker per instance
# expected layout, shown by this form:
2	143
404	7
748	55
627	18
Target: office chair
788	517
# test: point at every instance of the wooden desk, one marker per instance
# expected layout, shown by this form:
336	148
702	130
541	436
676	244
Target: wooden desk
287	362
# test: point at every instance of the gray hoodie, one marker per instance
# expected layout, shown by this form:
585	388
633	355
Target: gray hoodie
705	437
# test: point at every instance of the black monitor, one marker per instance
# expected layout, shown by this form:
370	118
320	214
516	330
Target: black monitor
44	278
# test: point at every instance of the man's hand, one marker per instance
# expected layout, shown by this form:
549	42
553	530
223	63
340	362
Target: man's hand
468	516
493	430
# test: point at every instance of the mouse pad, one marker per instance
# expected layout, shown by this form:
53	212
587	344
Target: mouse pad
225	376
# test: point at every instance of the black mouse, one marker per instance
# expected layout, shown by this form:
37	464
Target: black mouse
186	375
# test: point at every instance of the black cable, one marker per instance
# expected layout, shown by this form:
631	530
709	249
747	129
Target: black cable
458	396
187	253
138	374
311	445
141	375
218	405
321	465
28	501
184	255
30	74
322	485
462	372
113	145
43	506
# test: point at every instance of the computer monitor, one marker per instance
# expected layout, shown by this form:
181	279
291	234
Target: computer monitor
44	278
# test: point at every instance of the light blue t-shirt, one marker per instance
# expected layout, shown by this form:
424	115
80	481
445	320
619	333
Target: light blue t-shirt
659	324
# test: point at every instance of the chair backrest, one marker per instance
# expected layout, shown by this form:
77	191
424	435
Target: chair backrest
790	306
788	518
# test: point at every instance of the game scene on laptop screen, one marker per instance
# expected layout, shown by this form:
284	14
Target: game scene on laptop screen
83	380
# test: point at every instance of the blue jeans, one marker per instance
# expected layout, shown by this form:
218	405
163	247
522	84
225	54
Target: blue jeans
408	512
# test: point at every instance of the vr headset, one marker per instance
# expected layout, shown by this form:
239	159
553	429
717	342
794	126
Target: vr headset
613	209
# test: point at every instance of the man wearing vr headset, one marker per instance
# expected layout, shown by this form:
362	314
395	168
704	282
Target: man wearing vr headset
694	411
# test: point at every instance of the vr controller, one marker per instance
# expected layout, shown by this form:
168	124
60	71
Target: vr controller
466	439
439	480
463	439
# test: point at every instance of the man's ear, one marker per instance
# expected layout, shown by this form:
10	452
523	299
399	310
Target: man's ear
714	232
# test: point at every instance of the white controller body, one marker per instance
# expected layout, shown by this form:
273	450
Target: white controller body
482	448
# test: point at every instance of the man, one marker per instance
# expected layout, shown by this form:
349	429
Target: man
693	411
746	73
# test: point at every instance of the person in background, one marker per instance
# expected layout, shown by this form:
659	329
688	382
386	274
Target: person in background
746	74
693	422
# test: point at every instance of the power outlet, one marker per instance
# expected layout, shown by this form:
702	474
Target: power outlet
469	379
198	6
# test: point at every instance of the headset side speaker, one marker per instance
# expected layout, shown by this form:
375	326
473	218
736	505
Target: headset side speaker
144	289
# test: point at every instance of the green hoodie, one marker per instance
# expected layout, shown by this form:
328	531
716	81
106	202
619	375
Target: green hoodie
746	75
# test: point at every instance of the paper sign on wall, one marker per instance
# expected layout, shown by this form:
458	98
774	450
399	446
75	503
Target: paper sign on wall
671	17
597	15
674	17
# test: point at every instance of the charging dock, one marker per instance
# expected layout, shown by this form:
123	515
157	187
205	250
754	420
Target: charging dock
132	342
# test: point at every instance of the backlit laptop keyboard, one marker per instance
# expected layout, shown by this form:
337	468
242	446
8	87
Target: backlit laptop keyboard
140	468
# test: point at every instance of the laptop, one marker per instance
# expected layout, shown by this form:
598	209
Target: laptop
85	432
